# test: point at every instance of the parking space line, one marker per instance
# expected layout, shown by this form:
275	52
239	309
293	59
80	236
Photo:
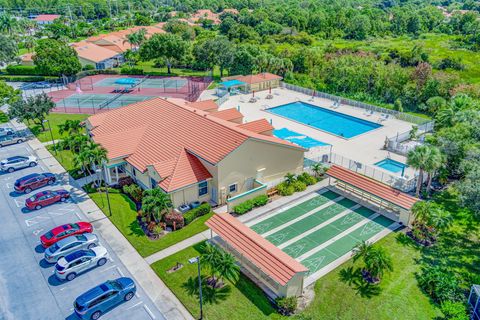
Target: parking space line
78	216
16	203
150	313
109	268
120	272
9	186
135	305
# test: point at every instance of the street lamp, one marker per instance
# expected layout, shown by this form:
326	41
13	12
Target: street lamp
106	190
192	261
51	135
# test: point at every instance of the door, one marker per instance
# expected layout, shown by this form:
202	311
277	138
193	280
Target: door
214	194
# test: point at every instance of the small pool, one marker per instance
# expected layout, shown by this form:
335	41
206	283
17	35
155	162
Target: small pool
392	165
330	121
297	138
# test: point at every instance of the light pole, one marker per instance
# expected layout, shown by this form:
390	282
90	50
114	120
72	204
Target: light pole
106	190
51	135
192	261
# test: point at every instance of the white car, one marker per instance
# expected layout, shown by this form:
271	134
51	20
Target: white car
69	267
5	131
18	162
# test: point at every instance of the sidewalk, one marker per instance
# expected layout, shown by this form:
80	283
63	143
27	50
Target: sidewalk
157	291
205	235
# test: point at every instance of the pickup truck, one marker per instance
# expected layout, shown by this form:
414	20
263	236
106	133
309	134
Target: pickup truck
11	139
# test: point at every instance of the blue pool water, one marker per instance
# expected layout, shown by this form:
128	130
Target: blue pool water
297	138
327	120
391	165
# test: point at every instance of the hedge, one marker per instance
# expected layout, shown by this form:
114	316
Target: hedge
199	211
131	71
25	78
22	70
248	205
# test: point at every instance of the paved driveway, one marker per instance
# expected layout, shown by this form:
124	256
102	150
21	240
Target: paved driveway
28	288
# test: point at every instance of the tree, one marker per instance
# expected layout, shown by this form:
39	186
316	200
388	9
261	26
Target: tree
7	23
469	190
55	58
434	162
375	258
34	108
243	62
8	50
318	169
221	264
72	127
156	203
289	178
169	47
136	38
8	94
418	158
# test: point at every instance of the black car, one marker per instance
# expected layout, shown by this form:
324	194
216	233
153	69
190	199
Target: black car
34	181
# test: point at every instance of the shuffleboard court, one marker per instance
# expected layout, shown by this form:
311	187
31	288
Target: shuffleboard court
327	232
345	244
310	222
294	212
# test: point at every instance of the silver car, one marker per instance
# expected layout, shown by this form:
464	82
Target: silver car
18	162
70	244
6	131
70	266
11	139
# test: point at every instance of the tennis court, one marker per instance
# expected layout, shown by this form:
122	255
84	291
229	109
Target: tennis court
109	101
169	83
321	228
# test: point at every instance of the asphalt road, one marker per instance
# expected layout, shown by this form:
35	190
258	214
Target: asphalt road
28	287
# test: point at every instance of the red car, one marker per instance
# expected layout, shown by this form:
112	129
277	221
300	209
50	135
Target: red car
63	231
45	198
34	181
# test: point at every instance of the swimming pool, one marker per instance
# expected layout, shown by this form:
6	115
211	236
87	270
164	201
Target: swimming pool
392	165
330	121
297	138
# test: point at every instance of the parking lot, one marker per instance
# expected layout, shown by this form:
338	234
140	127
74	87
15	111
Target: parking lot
29	289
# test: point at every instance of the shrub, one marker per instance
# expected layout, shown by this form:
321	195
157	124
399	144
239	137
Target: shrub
191	215
243	207
23	78
125	181
20	70
440	284
132	71
106	71
299	186
454	311
134	191
88	67
307	179
285	190
286	305
175	220
260	200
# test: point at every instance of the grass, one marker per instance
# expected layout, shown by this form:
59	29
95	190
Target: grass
242	300
148	67
55	119
65	158
3	117
124	215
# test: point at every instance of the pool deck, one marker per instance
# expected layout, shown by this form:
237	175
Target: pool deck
365	148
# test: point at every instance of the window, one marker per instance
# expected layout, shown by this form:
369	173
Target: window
232	188
153	182
202	188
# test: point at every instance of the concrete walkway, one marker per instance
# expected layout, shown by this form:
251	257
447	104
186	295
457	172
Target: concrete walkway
157	291
205	235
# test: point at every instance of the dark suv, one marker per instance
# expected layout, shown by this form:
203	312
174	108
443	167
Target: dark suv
34	181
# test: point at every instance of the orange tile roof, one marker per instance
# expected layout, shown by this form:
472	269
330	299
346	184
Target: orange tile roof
372	186
27	57
205	105
46	17
154	131
92	52
255	78
263	254
258	126
181	171
228	114
113	43
206	14
230	10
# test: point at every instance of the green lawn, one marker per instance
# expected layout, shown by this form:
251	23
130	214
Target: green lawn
3	117
242	300
124	218
65	157
150	69
55	119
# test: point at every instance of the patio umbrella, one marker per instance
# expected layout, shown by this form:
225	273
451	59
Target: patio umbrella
253	93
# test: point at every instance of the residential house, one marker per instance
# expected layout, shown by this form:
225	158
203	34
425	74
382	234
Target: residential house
43	19
97	56
192	154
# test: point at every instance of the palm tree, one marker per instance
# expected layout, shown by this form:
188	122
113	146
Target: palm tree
435	162
317	169
90	155
222	264
418	159
444	117
7	23
361	250
29	43
289	178
421	211
136	38
156	203
377	262
71	127
440	219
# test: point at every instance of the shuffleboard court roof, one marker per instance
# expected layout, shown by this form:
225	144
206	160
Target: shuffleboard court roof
373	187
263	254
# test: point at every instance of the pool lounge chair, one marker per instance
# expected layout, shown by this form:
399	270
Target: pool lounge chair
369	113
252	100
269	96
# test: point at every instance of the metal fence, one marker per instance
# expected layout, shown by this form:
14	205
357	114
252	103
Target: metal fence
405	184
356	104
222	100
395	143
